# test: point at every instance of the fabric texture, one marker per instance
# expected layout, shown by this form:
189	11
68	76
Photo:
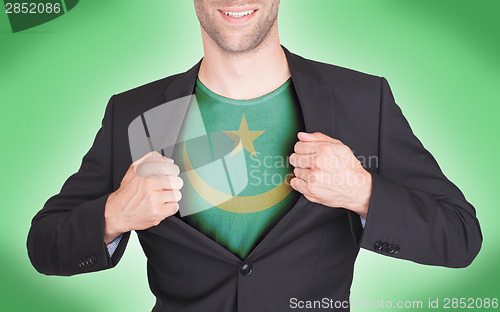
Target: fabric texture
112	246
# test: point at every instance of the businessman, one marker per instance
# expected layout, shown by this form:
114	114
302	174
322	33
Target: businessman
220	235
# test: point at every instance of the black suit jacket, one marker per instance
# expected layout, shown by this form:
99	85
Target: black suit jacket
415	212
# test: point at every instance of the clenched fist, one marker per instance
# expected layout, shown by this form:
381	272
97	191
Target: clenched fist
148	193
327	172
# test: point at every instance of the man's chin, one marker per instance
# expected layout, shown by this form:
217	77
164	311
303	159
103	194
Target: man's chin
239	45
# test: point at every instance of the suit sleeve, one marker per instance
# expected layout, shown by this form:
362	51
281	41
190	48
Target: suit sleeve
67	236
415	212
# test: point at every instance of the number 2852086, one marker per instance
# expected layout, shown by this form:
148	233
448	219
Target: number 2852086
32	8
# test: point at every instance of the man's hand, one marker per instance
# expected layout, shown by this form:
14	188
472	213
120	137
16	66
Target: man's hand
148	193
327	172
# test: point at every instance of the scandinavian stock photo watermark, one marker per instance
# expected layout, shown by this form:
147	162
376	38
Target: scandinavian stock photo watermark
370	304
262	170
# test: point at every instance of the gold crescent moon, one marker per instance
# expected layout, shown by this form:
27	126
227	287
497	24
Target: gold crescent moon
239	204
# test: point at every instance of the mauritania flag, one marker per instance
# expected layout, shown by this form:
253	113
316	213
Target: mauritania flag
234	153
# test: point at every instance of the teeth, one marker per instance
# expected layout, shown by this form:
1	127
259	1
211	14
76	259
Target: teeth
239	14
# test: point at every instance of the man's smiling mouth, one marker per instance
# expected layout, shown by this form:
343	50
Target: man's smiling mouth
239	14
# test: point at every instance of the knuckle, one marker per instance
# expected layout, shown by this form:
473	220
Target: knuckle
314	171
314	176
326	148
303	161
345	150
317	161
322	148
325	162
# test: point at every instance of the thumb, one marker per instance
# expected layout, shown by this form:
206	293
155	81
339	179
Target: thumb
152	156
316	137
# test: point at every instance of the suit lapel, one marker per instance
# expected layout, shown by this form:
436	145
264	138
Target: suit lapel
316	99
183	85
317	105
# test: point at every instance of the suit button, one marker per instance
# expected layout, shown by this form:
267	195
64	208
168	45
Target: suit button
378	245
246	269
93	260
390	249
396	249
384	246
82	263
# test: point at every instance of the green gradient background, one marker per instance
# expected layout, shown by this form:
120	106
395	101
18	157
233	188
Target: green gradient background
440	57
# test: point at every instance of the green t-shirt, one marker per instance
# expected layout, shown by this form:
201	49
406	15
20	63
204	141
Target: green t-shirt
234	164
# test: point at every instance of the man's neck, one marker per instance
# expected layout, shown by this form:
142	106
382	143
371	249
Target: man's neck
244	76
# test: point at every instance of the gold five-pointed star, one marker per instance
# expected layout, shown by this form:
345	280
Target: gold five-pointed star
243	138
